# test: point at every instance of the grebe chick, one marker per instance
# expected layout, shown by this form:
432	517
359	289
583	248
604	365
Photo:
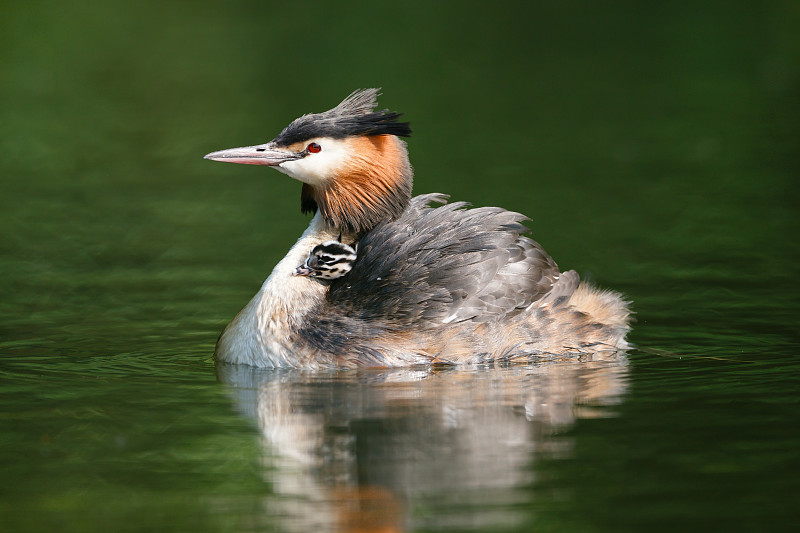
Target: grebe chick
428	284
328	260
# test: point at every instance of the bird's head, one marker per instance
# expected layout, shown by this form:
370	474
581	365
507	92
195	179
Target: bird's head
351	160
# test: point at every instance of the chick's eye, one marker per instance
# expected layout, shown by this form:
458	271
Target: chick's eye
313	148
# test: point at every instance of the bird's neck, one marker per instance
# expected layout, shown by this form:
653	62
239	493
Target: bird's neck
261	334
374	185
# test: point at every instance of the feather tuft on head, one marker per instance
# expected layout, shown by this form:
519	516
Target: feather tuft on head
354	116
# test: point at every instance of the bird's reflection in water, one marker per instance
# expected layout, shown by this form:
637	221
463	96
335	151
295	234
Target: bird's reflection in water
401	449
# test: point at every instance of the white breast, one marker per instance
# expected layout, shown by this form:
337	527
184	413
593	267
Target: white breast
260	333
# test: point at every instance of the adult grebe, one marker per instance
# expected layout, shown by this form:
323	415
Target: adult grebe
417	284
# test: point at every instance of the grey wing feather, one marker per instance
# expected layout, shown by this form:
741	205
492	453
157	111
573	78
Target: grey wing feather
445	264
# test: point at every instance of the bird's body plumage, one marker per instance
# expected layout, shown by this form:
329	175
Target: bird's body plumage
429	284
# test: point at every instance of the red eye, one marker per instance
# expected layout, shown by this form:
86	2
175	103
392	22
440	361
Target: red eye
313	148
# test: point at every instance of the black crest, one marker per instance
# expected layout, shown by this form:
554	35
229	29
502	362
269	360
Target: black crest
354	116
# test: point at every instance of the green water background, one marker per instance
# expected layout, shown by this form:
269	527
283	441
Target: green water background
656	148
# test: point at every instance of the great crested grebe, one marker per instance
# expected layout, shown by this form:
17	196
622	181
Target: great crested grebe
416	284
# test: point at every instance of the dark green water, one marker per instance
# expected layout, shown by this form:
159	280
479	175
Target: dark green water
655	147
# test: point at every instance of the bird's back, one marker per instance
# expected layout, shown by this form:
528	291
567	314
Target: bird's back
437	273
444	264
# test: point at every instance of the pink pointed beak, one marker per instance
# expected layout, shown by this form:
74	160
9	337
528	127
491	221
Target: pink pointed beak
262	154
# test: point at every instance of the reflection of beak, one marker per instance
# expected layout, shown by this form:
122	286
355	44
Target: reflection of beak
302	270
262	154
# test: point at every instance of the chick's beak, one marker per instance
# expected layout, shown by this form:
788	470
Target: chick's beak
262	154
302	270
